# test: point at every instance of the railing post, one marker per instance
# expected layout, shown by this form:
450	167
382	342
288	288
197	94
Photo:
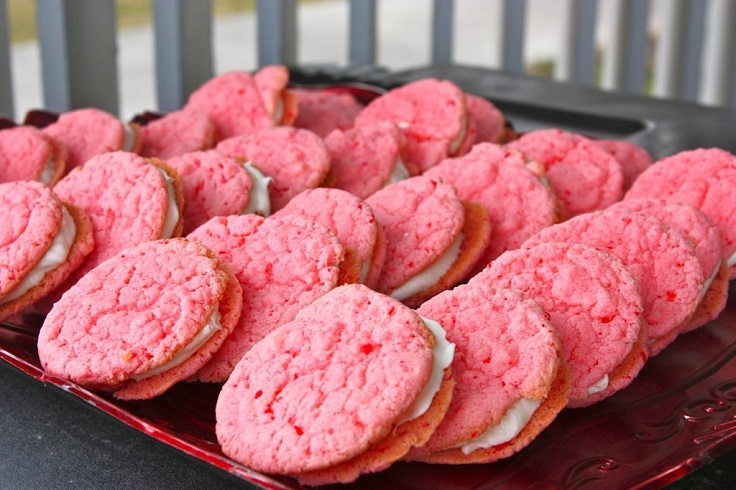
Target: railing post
362	32
577	60
276	32
513	15
719	60
6	79
183	34
625	65
78	54
443	16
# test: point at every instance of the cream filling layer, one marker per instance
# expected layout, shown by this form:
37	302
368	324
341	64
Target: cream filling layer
172	210
431	274
53	258
455	144
128	138
709	281
443	353
512	422
278	114
210	328
258	201
398	173
598	386
47	174
731	260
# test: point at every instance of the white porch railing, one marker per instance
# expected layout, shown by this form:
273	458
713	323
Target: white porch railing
694	56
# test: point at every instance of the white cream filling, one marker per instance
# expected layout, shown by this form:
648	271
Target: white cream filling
128	139
53	258
258	201
398	173
364	270
210	328
513	421
598	386
731	260
278	114
709	281
455	145
49	170
172	210
431	274
443	352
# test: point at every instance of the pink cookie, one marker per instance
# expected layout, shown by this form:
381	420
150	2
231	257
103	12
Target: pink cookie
42	241
353	223
283	264
669	274
89	132
177	133
27	153
594	303
272	82
697	227
583	176
433	239
323	111
518	202
296	159
128	200
368	158
335	393
508	365
704	178
432	115
233	103
633	158
142	320
214	184
490	123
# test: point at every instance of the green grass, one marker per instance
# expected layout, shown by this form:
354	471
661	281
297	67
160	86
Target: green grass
130	13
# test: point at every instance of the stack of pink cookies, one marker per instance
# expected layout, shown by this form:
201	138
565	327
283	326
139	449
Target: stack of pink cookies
407	279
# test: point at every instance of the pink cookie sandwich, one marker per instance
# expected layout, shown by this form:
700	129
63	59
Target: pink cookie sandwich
431	113
490	123
352	221
511	380
238	102
27	153
633	158
703	234
177	133
141	321
272	82
89	132
704	178
663	261
593	302
42	241
323	111
366	159
433	239
346	388
516	199
296	159
128	199
215	184
582	175
283	264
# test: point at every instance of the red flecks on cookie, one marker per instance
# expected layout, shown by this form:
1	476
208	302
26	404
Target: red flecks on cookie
322	397
583	175
296	159
177	133
669	274
126	325
323	111
27	153
516	199
633	158
704	178
283	264
594	303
